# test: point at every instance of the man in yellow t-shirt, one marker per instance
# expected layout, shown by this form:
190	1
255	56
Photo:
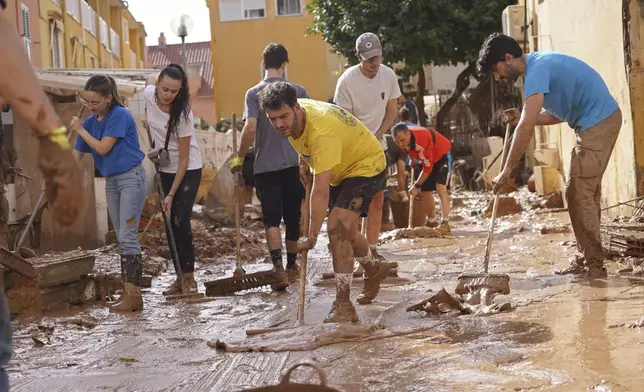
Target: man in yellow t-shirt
348	165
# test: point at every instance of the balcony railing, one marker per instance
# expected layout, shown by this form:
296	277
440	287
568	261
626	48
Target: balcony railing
89	18
105	33
116	42
73	8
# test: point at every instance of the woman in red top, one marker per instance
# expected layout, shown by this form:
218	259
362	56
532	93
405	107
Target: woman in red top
430	148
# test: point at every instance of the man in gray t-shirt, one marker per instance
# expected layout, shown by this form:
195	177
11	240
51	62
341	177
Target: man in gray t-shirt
276	168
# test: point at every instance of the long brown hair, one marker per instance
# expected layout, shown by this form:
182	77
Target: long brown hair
104	85
180	106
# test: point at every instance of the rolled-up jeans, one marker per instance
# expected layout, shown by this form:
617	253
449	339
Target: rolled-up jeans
125	194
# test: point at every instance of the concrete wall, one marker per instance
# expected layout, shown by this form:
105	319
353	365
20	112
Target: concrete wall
591	30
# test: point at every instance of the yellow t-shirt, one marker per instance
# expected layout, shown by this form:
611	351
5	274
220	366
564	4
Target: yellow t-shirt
333	139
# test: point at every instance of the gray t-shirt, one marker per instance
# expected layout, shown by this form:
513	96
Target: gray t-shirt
273	152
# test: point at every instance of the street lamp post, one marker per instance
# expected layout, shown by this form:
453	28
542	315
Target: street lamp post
181	27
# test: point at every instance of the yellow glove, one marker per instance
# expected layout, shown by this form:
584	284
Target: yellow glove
235	163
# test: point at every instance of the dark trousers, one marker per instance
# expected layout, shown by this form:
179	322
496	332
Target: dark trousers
182	204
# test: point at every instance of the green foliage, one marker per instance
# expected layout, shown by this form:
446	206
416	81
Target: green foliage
416	32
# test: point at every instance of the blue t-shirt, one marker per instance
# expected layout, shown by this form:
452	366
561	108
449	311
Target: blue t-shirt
126	152
573	91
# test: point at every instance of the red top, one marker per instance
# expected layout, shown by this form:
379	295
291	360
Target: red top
426	151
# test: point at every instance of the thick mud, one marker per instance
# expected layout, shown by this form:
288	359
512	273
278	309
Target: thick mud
559	336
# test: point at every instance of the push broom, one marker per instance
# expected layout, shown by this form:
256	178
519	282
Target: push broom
240	281
487	284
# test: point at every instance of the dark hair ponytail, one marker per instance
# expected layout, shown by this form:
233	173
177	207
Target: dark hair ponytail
180	106
105	86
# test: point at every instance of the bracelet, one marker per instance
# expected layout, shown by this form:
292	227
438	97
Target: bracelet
172	196
59	137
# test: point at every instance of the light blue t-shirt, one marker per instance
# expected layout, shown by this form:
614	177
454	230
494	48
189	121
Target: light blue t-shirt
573	91
126	152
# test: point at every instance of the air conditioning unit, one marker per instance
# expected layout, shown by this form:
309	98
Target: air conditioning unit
513	20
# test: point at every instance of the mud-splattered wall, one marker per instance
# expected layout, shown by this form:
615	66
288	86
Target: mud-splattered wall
591	30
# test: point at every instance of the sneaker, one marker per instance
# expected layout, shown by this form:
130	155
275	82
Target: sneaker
293	273
174	288
372	281
576	267
431	224
375	254
342	312
444	227
189	283
596	273
281	282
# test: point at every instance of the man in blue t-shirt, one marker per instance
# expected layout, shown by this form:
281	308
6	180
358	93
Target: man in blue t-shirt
570	91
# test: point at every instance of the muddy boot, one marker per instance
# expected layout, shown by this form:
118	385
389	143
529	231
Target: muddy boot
189	283
444	227
120	297
342	312
375	254
577	267
372	279
431	224
132	300
174	288
282	279
293	273
595	272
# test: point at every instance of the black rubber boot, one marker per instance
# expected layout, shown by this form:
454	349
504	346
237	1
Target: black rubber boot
120	297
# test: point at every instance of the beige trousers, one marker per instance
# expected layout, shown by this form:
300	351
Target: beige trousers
583	190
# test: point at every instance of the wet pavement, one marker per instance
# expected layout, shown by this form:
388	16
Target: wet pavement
562	336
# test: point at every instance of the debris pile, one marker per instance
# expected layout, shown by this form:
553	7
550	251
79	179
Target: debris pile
416	232
443	302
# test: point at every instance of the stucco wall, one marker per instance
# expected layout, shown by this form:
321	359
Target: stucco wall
591	30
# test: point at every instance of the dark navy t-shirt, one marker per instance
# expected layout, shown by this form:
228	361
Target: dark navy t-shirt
126	152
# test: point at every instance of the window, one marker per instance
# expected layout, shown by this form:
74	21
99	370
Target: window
232	10
289	7
126	31
26	29
253	14
56	45
73	8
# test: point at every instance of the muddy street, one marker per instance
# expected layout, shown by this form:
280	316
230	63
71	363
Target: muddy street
560	336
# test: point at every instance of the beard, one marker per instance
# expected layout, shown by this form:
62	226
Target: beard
513	74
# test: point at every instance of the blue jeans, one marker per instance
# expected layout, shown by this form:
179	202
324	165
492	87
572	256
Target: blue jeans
125	198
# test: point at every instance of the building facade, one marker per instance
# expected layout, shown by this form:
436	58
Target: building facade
240	29
87	34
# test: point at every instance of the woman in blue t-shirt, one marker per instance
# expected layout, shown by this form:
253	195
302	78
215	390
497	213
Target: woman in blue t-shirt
110	135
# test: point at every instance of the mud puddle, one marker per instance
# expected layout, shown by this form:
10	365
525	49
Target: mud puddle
561	336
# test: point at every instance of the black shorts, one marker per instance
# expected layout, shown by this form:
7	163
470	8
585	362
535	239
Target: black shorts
247	171
355	194
437	176
281	193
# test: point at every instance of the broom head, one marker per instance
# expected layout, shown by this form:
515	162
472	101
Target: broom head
495	283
